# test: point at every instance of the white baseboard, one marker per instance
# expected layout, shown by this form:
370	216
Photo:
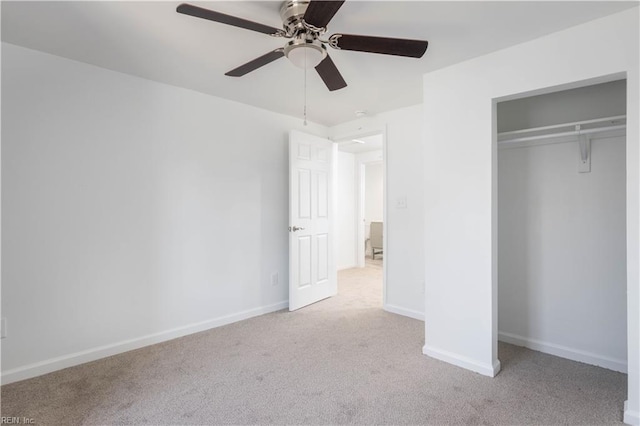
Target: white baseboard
565	352
631	417
65	361
404	312
462	361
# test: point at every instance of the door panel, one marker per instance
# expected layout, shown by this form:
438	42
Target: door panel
322	241
304	248
323	194
304	194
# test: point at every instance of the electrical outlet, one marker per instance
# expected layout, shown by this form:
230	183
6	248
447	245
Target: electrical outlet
3	328
275	279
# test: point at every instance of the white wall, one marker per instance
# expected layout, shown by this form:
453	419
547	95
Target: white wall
563	107
132	211
346	211
404	226
373	196
461	180
562	253
363	160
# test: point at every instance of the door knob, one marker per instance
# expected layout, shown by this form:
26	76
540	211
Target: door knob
296	228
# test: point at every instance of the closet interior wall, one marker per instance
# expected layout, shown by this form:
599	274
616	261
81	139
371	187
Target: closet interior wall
562	233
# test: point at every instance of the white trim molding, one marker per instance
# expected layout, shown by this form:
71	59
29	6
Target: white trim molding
462	361
404	311
564	352
631	417
77	358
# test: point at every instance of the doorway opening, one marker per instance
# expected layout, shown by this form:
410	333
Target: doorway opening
360	214
561	203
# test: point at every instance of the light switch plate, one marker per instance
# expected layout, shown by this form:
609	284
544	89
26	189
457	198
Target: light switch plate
401	202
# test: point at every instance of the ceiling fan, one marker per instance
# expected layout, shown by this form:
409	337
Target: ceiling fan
304	22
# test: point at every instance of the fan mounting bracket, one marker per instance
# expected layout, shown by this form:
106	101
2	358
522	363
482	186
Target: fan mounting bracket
333	41
280	33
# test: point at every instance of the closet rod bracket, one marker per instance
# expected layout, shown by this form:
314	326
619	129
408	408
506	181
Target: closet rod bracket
584	143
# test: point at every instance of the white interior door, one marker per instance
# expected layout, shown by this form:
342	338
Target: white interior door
312	268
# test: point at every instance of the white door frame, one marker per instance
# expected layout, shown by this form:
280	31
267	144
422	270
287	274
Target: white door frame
359	207
361	250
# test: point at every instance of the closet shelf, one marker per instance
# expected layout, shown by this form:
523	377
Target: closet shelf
576	128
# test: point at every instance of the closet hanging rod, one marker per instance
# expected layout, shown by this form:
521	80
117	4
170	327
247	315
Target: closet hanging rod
561	134
558	126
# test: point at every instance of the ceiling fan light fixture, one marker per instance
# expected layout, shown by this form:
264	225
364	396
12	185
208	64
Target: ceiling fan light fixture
304	53
304	22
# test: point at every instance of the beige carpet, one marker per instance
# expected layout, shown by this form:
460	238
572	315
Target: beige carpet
342	360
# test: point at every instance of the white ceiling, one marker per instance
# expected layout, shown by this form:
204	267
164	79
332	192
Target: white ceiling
365	144
150	40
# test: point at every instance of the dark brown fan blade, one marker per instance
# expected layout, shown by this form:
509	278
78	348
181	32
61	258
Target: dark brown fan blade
319	12
256	63
198	12
330	74
384	45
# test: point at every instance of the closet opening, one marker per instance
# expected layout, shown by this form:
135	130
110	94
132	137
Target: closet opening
560	168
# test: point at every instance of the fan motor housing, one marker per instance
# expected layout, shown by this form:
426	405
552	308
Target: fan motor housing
291	12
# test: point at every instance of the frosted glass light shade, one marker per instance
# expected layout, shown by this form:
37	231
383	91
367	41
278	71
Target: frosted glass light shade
305	55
